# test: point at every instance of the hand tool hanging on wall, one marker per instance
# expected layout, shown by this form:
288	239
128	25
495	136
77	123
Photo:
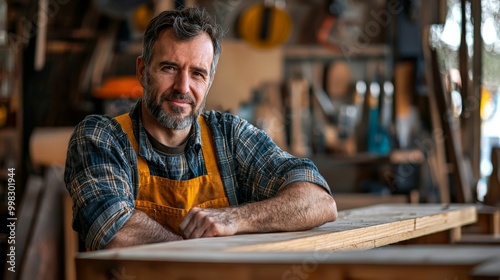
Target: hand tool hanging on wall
265	25
378	139
41	38
142	15
334	10
300	118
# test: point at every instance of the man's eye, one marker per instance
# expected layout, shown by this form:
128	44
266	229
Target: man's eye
168	68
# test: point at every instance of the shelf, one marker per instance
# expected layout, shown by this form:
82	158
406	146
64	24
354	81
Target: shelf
318	53
356	200
394	157
8	132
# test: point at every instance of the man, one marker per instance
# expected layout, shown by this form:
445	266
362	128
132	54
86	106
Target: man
166	171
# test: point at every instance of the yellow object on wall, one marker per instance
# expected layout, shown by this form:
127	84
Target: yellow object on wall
142	15
265	26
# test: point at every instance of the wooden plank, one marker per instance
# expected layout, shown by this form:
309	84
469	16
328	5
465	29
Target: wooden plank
449	137
317	252
441	237
474	121
25	221
488	221
493	194
44	249
346	201
362	228
395	262
70	239
436	156
395	255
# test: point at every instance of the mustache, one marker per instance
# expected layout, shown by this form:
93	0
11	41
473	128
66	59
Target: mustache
176	95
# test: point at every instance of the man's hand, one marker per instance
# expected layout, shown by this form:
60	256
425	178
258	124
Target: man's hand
299	206
209	223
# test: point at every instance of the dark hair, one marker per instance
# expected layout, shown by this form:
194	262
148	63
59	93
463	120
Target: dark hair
186	23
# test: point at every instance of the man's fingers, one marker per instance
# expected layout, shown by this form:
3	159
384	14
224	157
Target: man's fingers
200	221
206	223
198	231
187	225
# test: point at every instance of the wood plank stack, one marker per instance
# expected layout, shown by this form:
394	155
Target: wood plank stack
39	244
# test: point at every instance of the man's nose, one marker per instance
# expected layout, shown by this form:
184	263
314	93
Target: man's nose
182	82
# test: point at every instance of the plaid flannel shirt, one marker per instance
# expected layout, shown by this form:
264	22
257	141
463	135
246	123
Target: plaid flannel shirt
101	168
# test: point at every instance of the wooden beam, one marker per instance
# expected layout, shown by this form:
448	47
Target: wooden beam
44	254
475	118
493	194
463	60
436	153
70	239
27	213
346	201
450	131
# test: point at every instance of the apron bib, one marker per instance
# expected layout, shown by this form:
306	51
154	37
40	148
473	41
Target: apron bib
168	201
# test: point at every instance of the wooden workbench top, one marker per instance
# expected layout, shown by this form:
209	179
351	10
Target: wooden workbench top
320	253
362	228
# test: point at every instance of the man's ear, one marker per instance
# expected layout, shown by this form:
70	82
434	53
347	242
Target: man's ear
140	67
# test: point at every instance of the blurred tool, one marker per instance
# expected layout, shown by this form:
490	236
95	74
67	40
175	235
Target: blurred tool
41	37
300	116
142	15
265	25
325	103
334	10
378	139
3	22
359	99
118	94
386	107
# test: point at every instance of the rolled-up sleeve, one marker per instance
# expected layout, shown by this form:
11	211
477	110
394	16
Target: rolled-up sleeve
99	177
263	168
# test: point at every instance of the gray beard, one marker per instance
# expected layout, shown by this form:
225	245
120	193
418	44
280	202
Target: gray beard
170	121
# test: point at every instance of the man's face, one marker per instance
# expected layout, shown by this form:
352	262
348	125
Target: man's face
177	80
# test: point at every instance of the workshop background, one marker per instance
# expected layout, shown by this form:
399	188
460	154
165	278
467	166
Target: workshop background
395	101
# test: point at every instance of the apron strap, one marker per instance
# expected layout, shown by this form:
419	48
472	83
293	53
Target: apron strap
126	122
209	155
208	148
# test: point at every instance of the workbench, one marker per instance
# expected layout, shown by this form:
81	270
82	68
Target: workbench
332	251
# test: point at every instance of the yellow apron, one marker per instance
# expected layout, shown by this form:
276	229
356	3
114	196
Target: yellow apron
168	201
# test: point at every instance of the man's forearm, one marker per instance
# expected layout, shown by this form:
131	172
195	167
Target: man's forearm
299	206
141	229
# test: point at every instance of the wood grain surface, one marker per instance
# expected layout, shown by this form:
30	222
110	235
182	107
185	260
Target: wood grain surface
362	228
321	253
